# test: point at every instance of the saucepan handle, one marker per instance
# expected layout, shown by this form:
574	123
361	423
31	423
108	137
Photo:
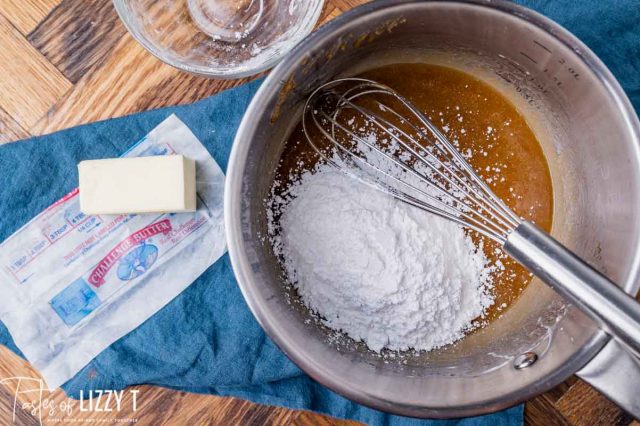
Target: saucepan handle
615	372
615	311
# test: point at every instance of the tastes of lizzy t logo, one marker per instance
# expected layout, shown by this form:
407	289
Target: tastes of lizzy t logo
35	399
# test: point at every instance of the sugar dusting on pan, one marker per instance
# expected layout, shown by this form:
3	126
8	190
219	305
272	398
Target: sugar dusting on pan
375	268
388	274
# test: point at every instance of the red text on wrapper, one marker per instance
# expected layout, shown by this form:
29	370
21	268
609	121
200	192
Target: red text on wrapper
102	268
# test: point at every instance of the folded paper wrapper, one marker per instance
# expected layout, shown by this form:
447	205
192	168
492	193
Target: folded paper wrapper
206	340
75	283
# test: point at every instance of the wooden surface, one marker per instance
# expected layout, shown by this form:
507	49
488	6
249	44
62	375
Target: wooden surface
67	62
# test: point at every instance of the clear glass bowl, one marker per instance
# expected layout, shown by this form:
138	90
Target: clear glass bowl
219	38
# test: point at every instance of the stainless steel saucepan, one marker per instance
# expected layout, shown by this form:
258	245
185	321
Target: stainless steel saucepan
591	138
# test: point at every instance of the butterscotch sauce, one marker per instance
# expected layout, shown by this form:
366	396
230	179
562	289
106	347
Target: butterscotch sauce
493	136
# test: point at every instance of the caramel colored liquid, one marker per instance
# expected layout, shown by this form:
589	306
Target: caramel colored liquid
505	152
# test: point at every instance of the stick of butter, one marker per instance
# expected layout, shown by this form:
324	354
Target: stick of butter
159	184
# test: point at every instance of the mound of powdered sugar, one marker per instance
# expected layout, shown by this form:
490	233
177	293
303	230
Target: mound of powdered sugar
375	268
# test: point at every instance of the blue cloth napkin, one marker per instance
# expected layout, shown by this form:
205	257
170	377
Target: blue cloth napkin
206	340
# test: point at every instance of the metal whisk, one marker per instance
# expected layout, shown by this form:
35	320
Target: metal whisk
376	135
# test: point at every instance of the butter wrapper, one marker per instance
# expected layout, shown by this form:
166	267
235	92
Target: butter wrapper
73	284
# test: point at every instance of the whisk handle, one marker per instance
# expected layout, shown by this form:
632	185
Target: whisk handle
614	310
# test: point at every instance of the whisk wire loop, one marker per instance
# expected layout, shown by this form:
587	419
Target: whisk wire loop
454	180
445	211
415	163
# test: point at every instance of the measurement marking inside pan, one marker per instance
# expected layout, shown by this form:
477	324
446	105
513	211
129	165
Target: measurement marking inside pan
529	57
518	67
543	46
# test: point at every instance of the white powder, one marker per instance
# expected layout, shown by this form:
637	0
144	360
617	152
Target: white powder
375	268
